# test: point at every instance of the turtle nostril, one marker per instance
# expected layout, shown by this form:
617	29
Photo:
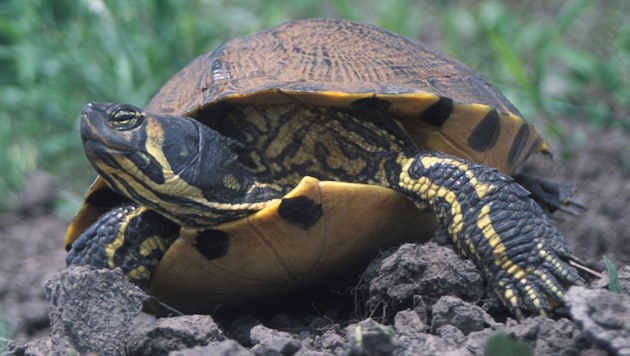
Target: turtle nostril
87	108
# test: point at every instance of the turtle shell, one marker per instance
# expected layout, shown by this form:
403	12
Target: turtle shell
442	104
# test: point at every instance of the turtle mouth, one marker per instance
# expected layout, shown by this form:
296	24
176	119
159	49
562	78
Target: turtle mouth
93	141
96	150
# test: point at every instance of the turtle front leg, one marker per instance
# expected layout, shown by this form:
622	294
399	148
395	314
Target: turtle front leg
129	237
492	220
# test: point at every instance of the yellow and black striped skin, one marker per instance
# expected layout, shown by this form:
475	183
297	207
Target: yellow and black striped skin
333	100
488	216
493	221
112	242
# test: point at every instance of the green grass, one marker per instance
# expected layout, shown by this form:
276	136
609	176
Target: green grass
554	59
501	343
614	285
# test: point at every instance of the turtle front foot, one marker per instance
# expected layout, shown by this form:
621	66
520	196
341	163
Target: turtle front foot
128	237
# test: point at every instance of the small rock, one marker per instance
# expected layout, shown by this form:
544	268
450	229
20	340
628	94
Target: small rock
426	269
40	346
240	329
451	335
623	275
306	352
274	340
408	322
427	344
371	338
262	350
421	307
330	340
464	316
30	255
224	348
7	345
603	316
410	330
624	279
546	336
175	333
92	310
474	345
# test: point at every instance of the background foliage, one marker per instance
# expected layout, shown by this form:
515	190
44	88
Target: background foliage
555	60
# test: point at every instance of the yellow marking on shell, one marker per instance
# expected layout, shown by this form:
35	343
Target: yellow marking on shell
400	103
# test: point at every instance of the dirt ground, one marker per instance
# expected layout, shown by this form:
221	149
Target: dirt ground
32	238
601	172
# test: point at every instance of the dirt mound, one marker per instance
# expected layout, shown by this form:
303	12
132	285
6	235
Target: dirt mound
413	307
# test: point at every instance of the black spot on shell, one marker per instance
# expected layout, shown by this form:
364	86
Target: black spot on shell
438	112
521	138
372	103
212	243
300	211
485	135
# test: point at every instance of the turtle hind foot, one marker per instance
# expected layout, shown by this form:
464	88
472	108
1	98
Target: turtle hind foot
552	196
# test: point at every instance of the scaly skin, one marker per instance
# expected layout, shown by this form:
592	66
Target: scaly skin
176	172
492	220
129	237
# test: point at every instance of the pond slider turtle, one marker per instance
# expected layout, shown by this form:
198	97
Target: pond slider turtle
290	155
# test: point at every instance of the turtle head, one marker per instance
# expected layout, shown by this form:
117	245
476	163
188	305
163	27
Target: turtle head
174	165
124	140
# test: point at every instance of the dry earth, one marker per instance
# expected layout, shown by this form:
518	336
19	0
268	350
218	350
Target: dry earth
32	252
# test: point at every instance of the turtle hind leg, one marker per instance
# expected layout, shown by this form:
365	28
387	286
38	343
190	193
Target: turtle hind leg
551	196
492	220
128	237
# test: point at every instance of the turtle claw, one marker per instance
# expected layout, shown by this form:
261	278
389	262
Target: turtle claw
543	288
519	297
552	196
567	206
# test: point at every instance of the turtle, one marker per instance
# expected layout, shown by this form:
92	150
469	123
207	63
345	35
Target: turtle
289	156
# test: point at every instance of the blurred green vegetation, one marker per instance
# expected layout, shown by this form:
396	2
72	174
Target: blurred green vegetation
501	343
553	59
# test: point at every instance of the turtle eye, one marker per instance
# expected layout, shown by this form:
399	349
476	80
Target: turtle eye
125	118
